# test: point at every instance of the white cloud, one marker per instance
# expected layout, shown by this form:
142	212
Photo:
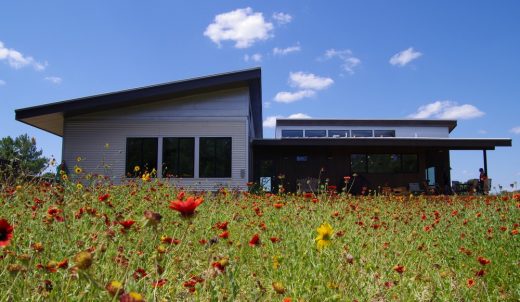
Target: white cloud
447	110
289	97
2	83
242	26
515	130
285	51
309	81
349	62
255	57
270	121
299	116
54	80
282	18
17	60
404	57
482	131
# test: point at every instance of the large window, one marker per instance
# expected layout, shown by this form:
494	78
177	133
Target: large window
315	133
178	157
215	157
410	163
362	133
141	155
358	163
384	163
292	133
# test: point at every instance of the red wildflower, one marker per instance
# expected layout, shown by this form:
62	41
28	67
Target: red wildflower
483	261
64	263
224	235
181	195
159	283
480	273
218	266
103	197
514	232
127	224
139	273
275	239
6	232
255	240
399	268
427	228
278	205
470	282
203	241
169	240
186	208
222	225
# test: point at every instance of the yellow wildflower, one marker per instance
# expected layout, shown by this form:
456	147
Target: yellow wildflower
145	177
78	159
83	260
78	169
137	169
79	186
325	233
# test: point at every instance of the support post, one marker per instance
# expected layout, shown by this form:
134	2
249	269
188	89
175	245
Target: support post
485	161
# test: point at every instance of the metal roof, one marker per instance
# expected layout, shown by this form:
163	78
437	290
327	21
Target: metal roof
50	117
447	143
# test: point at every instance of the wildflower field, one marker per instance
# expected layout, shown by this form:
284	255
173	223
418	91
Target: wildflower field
150	241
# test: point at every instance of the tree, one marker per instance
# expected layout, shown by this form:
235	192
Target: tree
22	152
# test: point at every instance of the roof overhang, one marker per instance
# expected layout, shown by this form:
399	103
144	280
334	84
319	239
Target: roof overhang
445	143
50	117
450	124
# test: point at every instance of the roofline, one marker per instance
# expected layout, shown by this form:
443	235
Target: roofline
451	124
448	143
243	78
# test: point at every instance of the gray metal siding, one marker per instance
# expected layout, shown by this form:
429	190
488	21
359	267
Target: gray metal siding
196	116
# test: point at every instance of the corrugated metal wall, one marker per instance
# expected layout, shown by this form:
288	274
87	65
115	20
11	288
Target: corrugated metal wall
222	114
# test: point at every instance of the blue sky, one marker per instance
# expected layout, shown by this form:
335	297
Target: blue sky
342	59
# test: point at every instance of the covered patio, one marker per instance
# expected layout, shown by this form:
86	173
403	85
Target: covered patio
385	165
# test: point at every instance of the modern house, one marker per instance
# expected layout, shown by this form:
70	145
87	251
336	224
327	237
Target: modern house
206	132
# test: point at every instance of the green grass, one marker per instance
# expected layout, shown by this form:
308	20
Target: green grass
378	232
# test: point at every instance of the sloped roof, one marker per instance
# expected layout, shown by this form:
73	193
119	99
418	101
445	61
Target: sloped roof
50	117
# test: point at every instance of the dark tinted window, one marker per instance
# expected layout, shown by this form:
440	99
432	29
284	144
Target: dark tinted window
384	163
292	133
178	156
358	162
215	157
361	133
141	156
384	133
340	133
315	133
410	163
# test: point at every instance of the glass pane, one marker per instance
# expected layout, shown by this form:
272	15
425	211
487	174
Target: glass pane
358	162
384	133
384	163
141	152
361	133
178	156
338	133
206	156
292	133
215	157
315	133
186	156
410	163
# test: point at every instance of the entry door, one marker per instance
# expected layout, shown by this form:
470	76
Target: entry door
430	176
